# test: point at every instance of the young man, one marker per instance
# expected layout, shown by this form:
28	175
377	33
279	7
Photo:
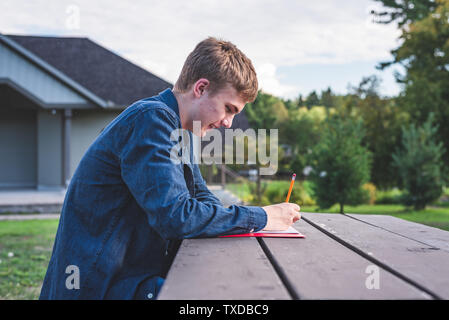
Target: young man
128	204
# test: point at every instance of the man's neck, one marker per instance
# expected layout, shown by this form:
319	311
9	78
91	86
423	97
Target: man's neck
182	100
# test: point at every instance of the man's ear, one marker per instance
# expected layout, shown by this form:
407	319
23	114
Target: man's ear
200	86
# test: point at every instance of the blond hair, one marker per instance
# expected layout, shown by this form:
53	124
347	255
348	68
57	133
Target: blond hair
222	63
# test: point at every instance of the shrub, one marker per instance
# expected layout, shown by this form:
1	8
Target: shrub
278	193
393	196
370	193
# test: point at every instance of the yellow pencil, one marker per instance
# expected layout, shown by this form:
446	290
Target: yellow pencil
291	187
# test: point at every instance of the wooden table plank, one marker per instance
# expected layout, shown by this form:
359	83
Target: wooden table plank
222	268
318	267
430	236
423	265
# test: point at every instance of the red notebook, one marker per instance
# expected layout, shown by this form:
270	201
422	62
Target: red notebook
289	233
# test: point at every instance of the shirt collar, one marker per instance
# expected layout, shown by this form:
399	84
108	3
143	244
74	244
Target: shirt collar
169	98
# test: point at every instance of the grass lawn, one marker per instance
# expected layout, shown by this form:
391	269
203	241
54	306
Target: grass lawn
435	216
25	250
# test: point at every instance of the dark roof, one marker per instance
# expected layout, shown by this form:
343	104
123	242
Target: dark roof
99	70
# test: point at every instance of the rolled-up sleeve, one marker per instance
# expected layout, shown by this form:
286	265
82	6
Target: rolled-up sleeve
157	183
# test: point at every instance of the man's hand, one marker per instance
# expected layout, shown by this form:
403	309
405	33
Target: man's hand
281	216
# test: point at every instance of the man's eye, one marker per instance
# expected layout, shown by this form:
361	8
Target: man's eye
228	109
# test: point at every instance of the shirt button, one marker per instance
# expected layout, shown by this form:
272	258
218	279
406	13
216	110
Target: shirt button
150	295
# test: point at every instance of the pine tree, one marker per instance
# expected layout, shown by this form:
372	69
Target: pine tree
327	98
420	164
312	100
341	163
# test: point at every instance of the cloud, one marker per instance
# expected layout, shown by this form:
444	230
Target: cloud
158	35
269	82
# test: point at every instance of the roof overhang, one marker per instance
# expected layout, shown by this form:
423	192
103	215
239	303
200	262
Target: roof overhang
55	73
39	102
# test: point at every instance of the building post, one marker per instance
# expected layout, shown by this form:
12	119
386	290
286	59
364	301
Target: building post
67	128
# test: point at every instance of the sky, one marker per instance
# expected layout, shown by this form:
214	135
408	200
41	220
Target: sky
296	46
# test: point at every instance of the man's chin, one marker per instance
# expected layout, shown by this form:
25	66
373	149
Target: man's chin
206	130
202	133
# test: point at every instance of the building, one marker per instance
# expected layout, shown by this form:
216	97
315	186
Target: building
56	95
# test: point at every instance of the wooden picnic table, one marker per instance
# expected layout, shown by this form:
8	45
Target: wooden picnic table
344	256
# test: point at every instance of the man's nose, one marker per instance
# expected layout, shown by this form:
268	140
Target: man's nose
227	122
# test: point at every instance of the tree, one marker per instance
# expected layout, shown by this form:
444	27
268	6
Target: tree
341	164
382	119
301	134
312	100
424	53
327	98
404	12
419	162
262	113
368	87
266	112
290	104
301	101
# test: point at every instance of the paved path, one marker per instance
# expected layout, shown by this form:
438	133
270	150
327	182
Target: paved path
33	201
41	200
225	196
31	197
24	216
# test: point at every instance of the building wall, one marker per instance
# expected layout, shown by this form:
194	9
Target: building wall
17	148
31	147
49	149
86	126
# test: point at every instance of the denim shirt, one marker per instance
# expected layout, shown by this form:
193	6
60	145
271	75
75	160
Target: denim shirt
127	206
